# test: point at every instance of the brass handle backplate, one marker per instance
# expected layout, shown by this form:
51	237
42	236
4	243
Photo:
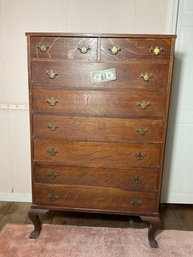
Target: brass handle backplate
53	197
52	151
51	74
52	175
146	77
144	104
43	48
84	48
53	126
137	179
114	50
139	155
141	131
136	202
52	101
156	50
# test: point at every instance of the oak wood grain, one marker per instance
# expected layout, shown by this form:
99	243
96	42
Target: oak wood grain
99	103
94	154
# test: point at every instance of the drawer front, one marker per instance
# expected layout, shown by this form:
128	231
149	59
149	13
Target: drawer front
94	154
99	103
94	198
125	179
64	47
97	129
77	75
133	49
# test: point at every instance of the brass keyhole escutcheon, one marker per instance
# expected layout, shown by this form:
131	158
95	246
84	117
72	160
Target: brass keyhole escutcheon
156	50
43	48
141	131
84	48
53	197
52	175
146	77
52	101
139	155
137	179
114	50
53	151
136	202
51	74
144	104
53	126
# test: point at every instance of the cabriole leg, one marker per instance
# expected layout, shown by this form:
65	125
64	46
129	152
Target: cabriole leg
33	214
155	224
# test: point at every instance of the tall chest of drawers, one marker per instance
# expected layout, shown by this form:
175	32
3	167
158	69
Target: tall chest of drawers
98	109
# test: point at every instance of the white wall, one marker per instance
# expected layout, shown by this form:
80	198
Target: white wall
20	16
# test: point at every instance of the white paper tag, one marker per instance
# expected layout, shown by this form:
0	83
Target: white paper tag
103	75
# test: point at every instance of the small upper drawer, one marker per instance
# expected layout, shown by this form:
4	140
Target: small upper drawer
64	47
131	49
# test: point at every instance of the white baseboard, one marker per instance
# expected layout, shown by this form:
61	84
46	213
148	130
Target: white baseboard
178	198
13	197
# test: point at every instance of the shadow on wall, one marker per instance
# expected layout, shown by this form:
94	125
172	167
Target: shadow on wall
171	132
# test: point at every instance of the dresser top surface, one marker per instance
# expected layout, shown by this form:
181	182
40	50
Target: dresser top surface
60	34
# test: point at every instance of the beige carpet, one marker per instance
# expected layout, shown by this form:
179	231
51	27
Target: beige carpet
77	241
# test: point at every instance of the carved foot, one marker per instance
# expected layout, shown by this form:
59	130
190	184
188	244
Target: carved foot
33	214
155	224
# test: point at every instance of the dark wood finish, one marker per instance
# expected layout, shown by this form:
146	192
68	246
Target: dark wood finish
106	129
63	47
134	48
16	212
128	75
155	224
99	103
95	198
126	179
33	214
98	147
95	154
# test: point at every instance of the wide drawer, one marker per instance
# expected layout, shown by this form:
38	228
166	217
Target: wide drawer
94	198
64	47
126	179
97	129
95	154
134	49
77	75
99	103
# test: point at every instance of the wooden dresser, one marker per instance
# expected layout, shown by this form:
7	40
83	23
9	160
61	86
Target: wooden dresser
99	110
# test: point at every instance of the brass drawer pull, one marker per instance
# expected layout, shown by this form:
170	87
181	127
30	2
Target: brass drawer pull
137	179
51	74
84	48
139	155
52	175
53	197
53	126
141	131
136	202
52	101
43	48
156	50
144	104
146	77
52	151
114	50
